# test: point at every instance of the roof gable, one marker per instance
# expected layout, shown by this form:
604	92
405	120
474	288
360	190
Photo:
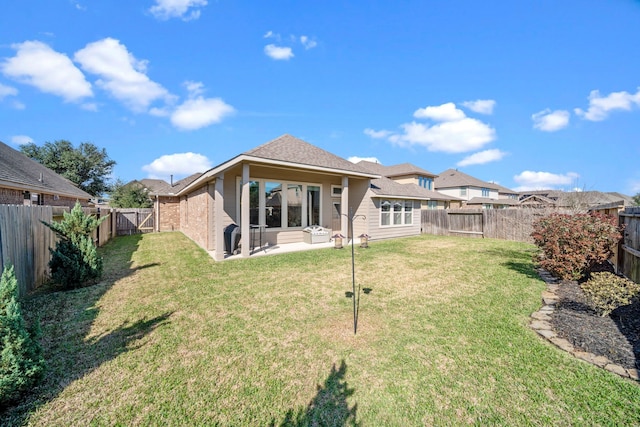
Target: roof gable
290	149
455	178
394	170
20	171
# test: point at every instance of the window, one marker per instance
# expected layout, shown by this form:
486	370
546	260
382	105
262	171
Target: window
336	191
408	212
396	212
463	191
294	205
432	204
485	192
281	204
273	204
313	205
429	182
385	213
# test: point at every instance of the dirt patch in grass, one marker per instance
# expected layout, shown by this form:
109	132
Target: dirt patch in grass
616	336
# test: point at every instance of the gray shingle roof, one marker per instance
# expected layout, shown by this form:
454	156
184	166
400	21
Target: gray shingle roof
161	187
454	178
388	187
395	170
290	149
482	200
19	171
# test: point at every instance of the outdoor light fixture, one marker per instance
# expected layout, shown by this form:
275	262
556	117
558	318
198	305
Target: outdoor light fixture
337	241
364	240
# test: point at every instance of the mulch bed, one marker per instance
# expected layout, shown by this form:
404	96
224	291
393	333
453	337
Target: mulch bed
616	336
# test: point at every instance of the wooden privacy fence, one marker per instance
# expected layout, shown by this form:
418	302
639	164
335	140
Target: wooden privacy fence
629	253
25	240
133	221
505	224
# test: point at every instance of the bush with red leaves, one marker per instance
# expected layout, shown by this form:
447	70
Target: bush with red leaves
572	244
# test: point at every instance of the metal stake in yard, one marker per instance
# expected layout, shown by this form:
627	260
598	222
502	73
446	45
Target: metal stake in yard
351	217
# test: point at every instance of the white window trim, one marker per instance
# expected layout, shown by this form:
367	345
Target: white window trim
391	212
335	193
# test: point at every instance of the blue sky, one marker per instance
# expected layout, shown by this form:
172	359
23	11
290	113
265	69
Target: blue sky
529	94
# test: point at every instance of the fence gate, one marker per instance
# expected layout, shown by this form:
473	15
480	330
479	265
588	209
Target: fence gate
134	221
629	254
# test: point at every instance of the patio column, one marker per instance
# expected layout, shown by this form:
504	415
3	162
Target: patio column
344	219
218	202
244	215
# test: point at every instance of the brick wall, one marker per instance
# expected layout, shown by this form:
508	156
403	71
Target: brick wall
194	216
10	196
169	212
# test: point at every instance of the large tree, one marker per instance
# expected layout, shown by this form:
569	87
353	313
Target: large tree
131	195
636	199
87	166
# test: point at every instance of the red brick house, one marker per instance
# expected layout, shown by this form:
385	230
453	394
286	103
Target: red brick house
23	181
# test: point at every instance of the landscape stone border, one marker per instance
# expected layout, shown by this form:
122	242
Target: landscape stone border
541	323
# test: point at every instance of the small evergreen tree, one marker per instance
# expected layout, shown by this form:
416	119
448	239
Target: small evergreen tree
75	259
21	360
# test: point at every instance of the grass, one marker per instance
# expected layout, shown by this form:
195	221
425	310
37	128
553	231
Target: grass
171	337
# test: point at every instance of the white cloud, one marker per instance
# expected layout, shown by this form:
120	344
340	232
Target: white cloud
89	106
530	180
441	113
52	72
278	52
482	106
600	106
167	9
450	137
269	34
307	42
377	134
482	157
356	159
199	112
7	91
550	121
121	74
21	139
194	88
179	164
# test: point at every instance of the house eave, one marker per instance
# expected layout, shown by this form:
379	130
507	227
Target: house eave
253	160
19	186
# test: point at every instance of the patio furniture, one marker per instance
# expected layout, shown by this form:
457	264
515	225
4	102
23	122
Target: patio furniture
316	234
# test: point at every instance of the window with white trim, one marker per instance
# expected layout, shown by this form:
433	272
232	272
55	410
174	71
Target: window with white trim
299	205
485	192
396	212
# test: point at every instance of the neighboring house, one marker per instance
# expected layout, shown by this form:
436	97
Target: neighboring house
165	199
285	185
578	201
474	192
413	176
25	181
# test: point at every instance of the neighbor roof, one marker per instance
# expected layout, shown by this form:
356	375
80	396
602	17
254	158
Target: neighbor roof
455	178
161	187
385	187
22	173
394	170
483	200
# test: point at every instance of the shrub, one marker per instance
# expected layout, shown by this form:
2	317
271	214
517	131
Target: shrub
605	292
21	361
572	244
75	260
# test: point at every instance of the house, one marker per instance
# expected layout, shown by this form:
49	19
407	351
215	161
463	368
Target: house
408	174
276	190
25	181
578	201
474	192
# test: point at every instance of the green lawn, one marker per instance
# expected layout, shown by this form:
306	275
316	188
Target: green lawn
171	337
